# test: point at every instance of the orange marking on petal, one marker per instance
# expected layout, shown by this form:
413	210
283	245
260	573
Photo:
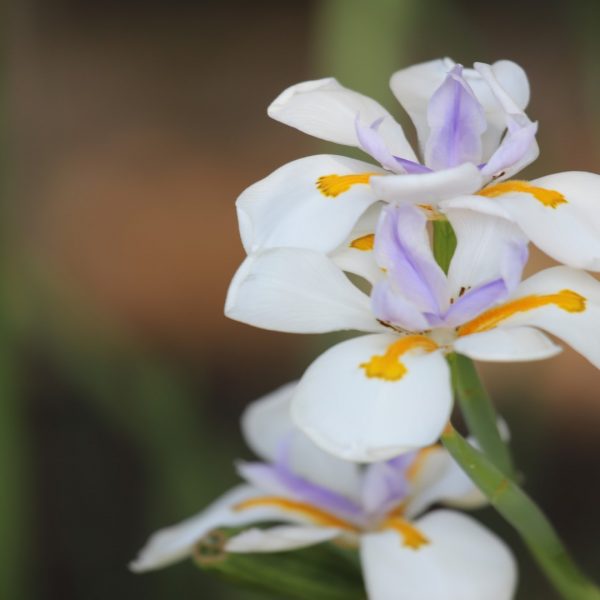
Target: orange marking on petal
388	366
364	243
566	300
314	514
549	198
334	185
411	536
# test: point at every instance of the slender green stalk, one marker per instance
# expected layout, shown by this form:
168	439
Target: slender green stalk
492	469
475	403
525	516
479	413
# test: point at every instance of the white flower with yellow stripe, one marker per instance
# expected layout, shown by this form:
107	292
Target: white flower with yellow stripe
473	136
376	396
406	551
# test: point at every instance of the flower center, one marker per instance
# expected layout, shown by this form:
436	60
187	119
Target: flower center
334	185
411	536
549	198
388	366
566	300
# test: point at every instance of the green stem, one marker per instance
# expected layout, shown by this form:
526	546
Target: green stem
525	516
475	403
479	413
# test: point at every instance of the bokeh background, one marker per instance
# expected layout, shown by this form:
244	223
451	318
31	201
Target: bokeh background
128	129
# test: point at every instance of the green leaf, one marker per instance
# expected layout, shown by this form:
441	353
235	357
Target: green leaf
323	572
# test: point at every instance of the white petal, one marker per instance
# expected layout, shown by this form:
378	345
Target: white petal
280	538
581	330
507	344
287	208
367	419
414	86
499	82
428	188
174	543
267	423
355	260
438	478
299	291
328	110
463	561
485	247
570	232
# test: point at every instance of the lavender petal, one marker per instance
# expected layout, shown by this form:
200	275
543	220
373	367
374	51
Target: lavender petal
402	249
516	144
372	143
457	121
476	301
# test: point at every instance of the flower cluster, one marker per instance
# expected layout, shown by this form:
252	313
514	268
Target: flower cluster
334	244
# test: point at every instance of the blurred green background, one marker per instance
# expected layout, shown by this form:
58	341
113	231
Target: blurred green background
132	127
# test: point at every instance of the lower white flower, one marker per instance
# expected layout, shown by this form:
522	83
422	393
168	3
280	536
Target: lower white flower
375	396
406	552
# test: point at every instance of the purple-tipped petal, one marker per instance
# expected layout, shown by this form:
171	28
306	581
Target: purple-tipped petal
475	301
457	121
372	143
402	249
518	142
412	167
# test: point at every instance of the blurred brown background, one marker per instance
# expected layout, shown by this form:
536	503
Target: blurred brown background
132	127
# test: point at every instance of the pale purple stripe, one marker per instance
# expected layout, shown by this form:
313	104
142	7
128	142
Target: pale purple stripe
515	145
476	301
279	479
402	248
457	121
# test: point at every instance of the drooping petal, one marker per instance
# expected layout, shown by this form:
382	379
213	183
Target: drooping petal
507	344
428	188
313	202
402	248
298	291
414	86
372	142
520	143
267	427
462	561
328	110
434	477
489	246
174	543
563	301
364	400
280	538
559	213
516	151
456	122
